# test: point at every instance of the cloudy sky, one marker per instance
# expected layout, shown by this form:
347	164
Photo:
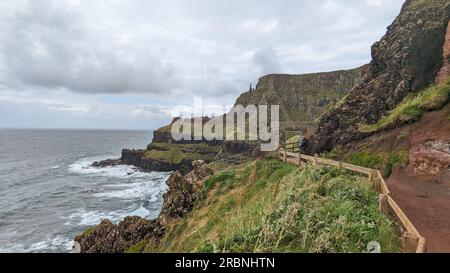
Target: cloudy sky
124	63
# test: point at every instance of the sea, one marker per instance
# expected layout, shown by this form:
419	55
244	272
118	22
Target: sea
49	193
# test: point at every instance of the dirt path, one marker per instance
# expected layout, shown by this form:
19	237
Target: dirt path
426	201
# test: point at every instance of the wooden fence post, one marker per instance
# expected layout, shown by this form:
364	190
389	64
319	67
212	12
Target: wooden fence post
284	156
410	243
383	203
372	176
377	185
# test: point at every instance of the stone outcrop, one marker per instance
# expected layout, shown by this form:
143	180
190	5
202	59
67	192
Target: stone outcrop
405	60
178	201
302	97
444	73
110	238
136	158
431	158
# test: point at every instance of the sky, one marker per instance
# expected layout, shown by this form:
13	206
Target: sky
124	64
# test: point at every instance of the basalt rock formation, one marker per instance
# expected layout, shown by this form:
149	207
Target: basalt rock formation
178	201
407	59
110	238
137	158
302	97
444	73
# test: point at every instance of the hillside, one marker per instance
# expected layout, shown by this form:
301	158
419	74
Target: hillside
302	97
392	115
404	62
263	206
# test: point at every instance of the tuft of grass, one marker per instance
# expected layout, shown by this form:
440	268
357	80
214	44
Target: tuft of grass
413	107
137	248
382	161
277	207
89	231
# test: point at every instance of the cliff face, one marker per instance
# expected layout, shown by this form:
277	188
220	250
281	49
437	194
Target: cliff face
406	60
445	70
302	97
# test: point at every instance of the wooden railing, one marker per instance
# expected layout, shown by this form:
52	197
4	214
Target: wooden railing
412	240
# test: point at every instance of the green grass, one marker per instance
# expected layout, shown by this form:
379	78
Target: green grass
175	153
88	232
276	207
138	248
382	161
413	107
417	4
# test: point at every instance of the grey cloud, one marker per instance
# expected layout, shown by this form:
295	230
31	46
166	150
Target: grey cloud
267	61
174	50
49	45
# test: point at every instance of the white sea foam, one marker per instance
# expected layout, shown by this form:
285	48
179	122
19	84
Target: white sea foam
82	217
51	243
137	190
84	166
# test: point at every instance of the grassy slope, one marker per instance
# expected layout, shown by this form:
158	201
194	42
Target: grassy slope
270	206
383	161
175	153
413	107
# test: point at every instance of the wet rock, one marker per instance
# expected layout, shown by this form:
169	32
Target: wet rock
107	163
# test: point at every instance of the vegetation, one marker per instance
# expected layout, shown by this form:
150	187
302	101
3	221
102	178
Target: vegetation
175	153
271	206
89	231
138	248
382	161
413	107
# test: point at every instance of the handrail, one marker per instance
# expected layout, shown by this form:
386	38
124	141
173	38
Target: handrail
412	240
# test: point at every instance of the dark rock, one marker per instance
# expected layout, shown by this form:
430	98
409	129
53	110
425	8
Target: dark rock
136	158
405	60
107	163
178	201
110	238
444	73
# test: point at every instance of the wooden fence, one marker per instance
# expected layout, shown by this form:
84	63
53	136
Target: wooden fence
412	241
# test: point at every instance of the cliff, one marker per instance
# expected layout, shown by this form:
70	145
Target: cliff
302	97
405	61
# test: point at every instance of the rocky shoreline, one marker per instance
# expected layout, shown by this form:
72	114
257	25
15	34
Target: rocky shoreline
178	202
136	158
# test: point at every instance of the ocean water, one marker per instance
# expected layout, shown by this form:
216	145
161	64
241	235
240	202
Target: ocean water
49	193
